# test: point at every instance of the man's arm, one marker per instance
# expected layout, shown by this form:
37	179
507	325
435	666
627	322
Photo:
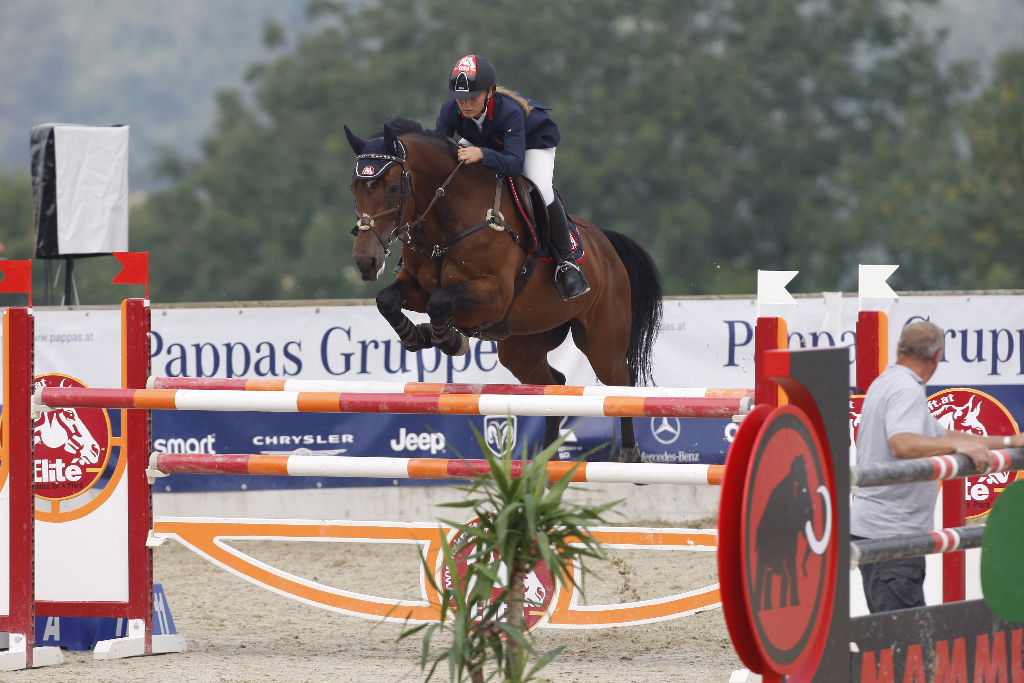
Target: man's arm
907	445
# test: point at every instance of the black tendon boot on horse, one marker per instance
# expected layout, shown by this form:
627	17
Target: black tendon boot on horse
569	280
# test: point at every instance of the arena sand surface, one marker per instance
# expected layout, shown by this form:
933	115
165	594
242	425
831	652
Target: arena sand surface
239	632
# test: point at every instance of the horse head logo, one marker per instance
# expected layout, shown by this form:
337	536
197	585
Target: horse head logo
63	430
534	591
789	515
962	418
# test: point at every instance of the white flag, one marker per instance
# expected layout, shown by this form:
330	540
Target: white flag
771	286
872	282
833	323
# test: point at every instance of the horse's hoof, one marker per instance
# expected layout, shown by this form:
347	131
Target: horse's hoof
630	455
454	345
420	340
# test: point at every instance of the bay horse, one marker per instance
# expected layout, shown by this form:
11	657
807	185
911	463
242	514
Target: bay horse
465	264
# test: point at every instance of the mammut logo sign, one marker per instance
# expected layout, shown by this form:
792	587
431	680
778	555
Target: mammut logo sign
975	412
788	516
789	556
72	445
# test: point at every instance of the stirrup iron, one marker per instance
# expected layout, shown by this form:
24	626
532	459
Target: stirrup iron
565	269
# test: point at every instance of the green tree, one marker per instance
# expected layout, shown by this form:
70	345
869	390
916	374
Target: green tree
943	196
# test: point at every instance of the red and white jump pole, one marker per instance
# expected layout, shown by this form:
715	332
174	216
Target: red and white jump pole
369	387
418	404
162	464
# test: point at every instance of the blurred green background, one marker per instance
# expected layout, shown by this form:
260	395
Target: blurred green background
725	136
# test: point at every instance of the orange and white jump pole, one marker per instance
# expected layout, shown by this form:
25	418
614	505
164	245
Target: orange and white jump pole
162	464
416	404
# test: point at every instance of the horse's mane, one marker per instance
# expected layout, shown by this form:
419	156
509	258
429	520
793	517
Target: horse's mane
403	125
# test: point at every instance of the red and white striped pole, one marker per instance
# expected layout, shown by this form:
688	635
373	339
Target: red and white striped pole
415	404
371	387
161	464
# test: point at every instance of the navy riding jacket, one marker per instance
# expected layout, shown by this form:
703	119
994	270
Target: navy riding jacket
507	132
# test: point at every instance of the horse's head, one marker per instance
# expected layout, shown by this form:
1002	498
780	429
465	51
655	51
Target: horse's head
381	185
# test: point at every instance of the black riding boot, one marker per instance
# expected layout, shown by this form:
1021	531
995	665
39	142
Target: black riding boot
569	280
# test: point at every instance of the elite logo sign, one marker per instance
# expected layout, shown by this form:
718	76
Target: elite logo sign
975	412
789	558
72	445
539	584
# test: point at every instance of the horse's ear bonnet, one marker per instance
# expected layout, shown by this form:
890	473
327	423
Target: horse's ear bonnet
375	156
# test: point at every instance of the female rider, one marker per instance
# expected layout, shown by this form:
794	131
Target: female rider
512	135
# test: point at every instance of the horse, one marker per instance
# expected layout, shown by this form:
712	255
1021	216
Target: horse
464	262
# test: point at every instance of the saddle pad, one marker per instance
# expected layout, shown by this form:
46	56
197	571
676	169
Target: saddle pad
578	253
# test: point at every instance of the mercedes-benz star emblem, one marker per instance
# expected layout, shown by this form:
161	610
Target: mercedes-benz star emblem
665	429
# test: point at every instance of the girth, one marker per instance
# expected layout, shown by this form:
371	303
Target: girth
497	331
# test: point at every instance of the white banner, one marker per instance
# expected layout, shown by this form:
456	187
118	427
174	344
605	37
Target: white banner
703	342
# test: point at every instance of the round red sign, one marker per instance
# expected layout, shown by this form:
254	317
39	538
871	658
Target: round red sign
975	412
539	584
72	445
788	533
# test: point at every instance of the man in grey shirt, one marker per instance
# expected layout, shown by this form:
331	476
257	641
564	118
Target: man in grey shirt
895	423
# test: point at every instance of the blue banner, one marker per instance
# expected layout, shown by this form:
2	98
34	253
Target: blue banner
671	440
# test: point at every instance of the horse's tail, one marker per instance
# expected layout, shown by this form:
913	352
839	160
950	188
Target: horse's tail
645	286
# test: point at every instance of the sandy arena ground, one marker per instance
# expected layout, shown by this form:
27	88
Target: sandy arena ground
239	632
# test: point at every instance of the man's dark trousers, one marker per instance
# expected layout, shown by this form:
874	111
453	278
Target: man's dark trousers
894	584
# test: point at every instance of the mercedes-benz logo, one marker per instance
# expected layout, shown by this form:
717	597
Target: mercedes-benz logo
665	429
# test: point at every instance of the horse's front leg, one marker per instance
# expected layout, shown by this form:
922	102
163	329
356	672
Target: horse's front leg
478	299
390	301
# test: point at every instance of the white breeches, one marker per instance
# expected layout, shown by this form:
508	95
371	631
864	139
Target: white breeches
539	167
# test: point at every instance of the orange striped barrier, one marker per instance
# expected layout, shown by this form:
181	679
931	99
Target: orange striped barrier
440	404
424	468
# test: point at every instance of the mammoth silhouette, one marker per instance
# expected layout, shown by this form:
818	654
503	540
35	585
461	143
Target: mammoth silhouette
788	514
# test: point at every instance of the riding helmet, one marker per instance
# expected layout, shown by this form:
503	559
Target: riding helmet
471	76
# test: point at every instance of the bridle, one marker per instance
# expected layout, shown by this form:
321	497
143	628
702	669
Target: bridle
368	222
435	252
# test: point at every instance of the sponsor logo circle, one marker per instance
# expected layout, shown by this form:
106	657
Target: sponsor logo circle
500	432
539	585
72	445
789	552
964	410
975	412
665	429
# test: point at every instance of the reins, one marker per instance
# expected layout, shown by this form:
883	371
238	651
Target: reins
494	219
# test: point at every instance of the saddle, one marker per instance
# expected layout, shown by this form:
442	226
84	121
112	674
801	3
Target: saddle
534	211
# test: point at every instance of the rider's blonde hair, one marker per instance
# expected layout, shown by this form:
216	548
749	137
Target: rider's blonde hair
520	100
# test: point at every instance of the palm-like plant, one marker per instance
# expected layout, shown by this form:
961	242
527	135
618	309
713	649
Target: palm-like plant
519	522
